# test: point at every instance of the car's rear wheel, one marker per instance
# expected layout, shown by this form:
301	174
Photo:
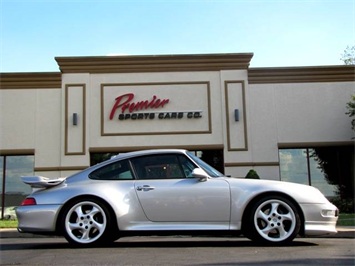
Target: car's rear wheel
86	222
273	220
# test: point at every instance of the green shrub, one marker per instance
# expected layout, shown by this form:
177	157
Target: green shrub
252	174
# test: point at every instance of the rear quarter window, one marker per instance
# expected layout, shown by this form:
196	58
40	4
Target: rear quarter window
120	170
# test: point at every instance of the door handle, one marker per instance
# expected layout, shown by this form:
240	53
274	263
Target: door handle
145	188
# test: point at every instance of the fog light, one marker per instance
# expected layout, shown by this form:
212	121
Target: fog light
328	213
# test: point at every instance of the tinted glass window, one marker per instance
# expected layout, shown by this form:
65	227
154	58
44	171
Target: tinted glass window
15	190
208	169
115	171
325	168
158	167
187	165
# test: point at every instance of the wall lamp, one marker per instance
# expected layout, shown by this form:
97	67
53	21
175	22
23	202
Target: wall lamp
75	119
236	115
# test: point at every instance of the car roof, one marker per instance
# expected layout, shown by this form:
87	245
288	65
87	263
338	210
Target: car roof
125	155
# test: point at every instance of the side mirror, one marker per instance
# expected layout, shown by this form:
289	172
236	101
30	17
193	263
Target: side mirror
199	173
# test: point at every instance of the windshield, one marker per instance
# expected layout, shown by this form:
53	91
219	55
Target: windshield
206	167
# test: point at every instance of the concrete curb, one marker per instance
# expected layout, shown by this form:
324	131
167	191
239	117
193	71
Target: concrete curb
343	232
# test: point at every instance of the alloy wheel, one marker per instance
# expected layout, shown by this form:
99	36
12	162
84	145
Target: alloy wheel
85	222
275	220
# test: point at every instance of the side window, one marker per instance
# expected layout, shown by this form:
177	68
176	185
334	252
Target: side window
187	165
158	167
115	171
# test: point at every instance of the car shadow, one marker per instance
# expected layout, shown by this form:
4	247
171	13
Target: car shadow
153	243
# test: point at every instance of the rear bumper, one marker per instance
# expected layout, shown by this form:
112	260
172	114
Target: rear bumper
320	219
37	218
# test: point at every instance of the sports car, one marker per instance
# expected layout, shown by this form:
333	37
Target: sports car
170	192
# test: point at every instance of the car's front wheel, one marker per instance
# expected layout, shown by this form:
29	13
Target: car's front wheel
273	219
86	222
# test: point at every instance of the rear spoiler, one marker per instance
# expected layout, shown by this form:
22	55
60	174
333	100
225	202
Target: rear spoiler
41	181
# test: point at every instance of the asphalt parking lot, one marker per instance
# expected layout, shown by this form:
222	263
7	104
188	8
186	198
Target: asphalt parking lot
177	250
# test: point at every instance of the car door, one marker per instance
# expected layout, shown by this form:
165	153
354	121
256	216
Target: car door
167	193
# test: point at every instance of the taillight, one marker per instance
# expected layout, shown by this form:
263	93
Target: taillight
28	201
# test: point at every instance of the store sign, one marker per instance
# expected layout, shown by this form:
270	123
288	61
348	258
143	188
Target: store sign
125	102
127	109
155	108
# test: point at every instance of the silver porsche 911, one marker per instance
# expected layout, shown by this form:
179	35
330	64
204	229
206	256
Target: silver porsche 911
170	192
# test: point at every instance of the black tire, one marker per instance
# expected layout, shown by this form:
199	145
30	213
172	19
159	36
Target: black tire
272	220
87	222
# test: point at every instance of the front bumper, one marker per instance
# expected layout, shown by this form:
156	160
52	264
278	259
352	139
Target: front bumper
37	218
320	219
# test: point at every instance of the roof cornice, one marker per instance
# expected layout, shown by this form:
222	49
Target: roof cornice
153	63
301	74
29	80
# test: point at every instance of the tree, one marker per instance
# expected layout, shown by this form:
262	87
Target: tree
336	163
351	111
348	57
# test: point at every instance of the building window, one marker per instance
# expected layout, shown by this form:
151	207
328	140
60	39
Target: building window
330	169
13	190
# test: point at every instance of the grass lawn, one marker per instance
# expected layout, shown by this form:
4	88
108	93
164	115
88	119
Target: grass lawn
345	219
8	223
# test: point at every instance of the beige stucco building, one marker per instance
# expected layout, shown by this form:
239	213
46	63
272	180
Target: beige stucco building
212	102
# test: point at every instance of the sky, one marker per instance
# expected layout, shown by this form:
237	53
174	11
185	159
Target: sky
278	33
